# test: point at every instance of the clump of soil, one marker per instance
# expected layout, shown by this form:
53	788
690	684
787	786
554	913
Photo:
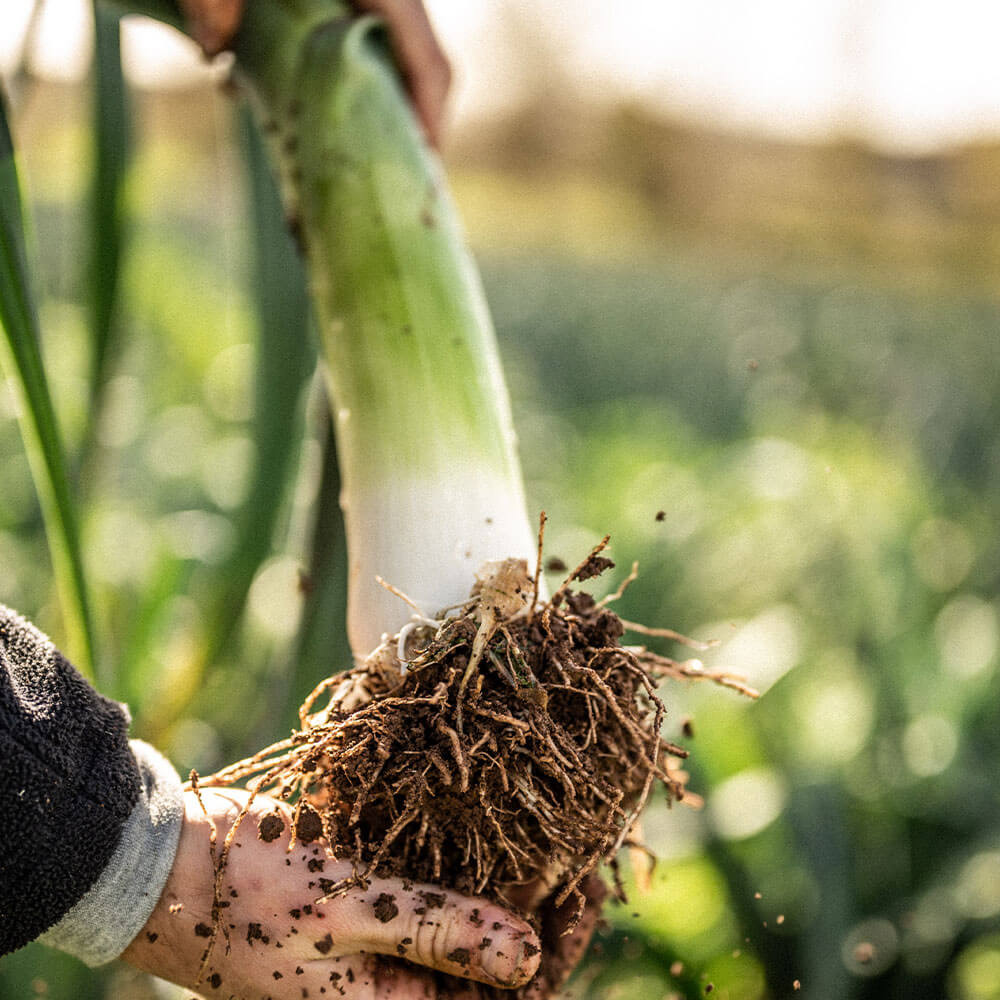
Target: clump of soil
504	752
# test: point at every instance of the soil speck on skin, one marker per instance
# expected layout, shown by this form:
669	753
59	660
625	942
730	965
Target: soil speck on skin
661	515
434	900
385	907
324	945
295	914
475	919
316	865
277	975
299	970
202	930
215	980
151	936
531	949
485	943
254	933
460	956
310	826
497	925
270	827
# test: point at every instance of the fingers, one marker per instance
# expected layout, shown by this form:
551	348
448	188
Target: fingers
212	23
444	930
422	61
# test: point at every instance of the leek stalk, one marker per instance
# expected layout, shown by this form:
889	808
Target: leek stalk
431	481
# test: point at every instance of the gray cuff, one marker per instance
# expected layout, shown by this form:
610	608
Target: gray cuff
104	922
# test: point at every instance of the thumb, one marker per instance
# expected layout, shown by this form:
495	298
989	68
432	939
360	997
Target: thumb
444	930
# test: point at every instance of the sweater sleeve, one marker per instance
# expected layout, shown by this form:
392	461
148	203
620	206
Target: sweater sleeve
88	829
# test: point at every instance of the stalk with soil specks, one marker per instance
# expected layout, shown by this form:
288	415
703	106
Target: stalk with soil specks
432	483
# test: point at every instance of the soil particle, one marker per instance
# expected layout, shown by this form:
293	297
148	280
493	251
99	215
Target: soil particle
310	826
277	975
350	975
307	909
555	565
475	919
497	925
661	515
434	900
530	949
202	930
215	980
316	865
324	945
299	970
460	956
254	933
594	566
485	943
295	914
270	827
385	907
151	936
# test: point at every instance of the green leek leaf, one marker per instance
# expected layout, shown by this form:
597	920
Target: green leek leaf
21	359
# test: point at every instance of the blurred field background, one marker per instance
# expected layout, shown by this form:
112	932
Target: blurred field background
781	331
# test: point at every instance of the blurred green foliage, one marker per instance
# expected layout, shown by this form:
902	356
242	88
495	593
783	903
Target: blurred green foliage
821	435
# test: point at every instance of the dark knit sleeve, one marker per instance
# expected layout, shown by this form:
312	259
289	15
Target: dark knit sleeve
68	782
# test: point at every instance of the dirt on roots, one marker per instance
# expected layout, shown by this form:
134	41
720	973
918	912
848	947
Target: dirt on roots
504	752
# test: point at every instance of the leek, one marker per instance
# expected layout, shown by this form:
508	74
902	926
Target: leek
431	481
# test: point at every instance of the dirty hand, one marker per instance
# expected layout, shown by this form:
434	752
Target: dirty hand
422	62
282	945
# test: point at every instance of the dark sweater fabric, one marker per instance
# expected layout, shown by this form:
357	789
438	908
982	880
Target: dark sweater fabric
68	782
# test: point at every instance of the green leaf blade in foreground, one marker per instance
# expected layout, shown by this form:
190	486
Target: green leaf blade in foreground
106	208
21	358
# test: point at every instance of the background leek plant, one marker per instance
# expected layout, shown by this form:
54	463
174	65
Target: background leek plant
786	349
